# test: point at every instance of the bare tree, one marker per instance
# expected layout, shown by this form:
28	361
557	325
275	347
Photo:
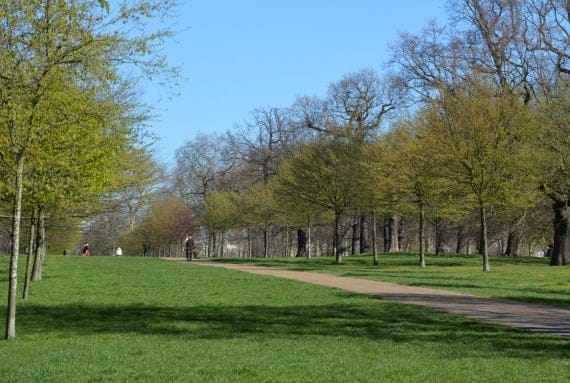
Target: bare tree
264	141
200	165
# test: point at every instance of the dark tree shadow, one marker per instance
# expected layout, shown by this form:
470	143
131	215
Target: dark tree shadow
393	322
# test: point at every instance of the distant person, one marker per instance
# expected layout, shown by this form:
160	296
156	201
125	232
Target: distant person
189	248
119	251
146	249
85	250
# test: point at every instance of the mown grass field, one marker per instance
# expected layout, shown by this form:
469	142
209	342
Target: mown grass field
110	319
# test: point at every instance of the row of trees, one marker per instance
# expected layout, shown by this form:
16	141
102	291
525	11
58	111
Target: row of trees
71	122
470	120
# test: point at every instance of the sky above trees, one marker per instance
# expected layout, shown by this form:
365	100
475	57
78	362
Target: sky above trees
238	56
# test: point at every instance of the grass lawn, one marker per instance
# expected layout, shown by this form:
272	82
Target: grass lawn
518	278
122	319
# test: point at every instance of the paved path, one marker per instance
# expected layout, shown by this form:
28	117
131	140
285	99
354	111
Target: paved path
521	315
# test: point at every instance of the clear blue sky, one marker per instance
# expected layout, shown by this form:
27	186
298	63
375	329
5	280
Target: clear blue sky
245	54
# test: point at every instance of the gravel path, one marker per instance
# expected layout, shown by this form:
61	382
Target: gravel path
521	315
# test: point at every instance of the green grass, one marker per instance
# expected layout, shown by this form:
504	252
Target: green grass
110	319
518	278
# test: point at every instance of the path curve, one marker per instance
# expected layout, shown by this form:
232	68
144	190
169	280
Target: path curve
527	316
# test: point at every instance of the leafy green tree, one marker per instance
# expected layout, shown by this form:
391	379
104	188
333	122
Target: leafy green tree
322	174
555	171
404	171
219	215
163	227
484	145
261	211
82	42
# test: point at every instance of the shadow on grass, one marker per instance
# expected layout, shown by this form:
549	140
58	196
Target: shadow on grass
387	322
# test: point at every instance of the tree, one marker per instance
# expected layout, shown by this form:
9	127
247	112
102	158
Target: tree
264	141
201	165
163	227
405	171
219	216
45	42
260	209
555	182
519	46
322	174
484	142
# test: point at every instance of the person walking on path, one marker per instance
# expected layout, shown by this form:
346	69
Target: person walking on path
189	248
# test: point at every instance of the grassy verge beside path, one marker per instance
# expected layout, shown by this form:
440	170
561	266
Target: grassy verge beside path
518	278
111	319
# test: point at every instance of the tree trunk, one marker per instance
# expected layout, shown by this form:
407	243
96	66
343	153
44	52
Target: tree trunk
355	237
336	240
393	235
287	242
513	242
266	241
438	236
386	234
484	241
460	246
309	255
561	245
31	242
301	243
374	247
221	244
13	275
363	240
40	246
421	236
249	244
401	235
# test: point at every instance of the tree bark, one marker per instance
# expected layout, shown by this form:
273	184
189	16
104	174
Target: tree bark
561	244
31	242
301	243
386	234
40	246
266	241
393	235
484	240
355	237
363	240
460	246
513	242
421	236
249	244
336	240
13	274
374	247
309	254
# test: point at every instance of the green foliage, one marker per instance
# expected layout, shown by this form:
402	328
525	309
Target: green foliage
319	175
555	147
165	224
484	144
219	213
